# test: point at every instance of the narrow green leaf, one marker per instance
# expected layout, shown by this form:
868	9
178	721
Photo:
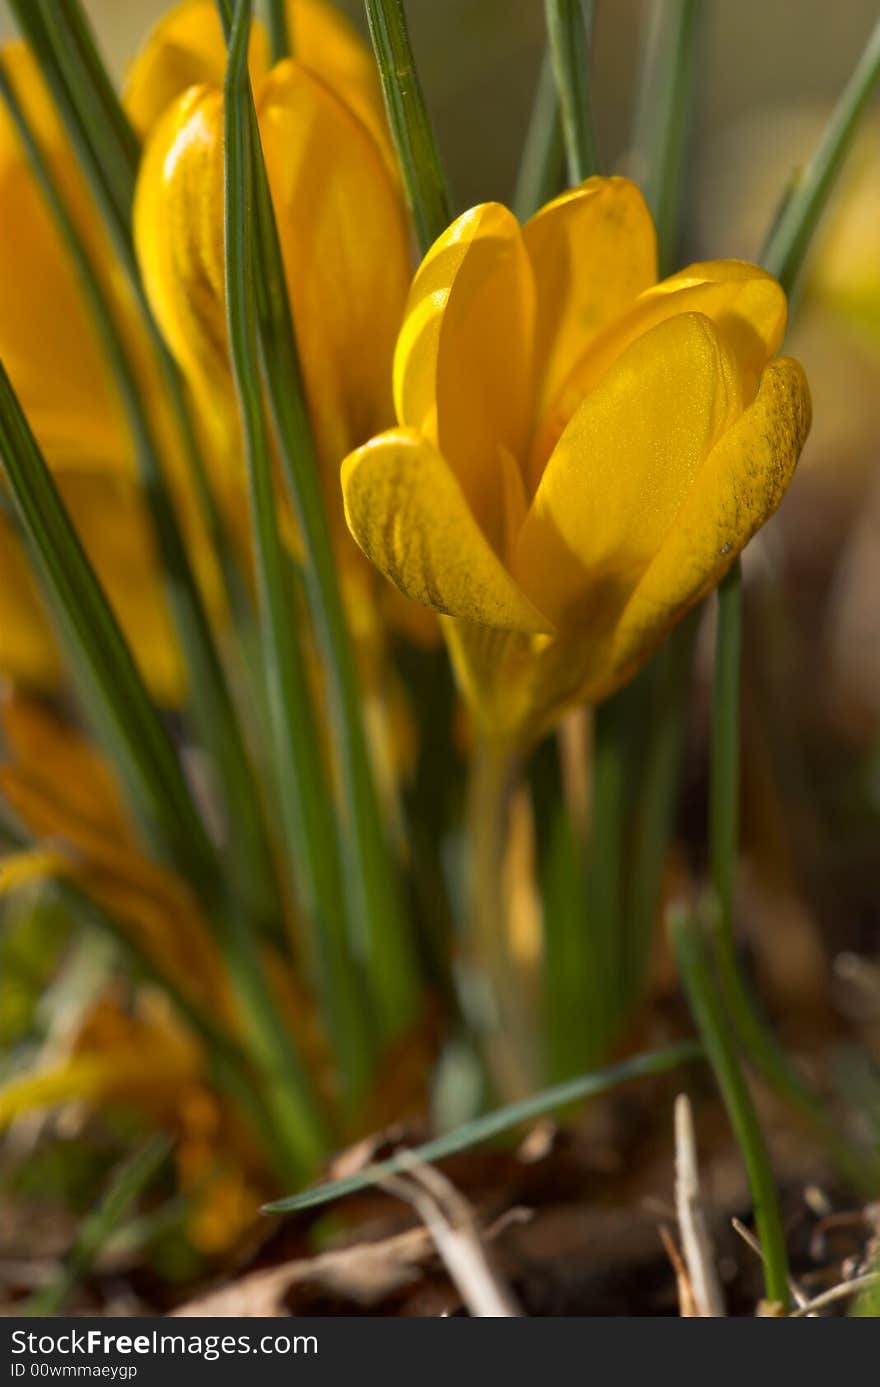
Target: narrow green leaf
787	246
306	801
570	30
659	781
708	1013
665	103
541	168
279	29
408	117
495	1124
372	881
215	714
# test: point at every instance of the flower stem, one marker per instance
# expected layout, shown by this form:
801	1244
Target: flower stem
372	878
569	30
408	117
708	1013
305	797
507	1023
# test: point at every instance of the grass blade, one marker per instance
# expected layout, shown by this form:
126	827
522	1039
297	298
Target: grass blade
215	713
306	800
409	121
495	1124
373	885
570	30
662	119
279	29
708	1013
540	175
786	248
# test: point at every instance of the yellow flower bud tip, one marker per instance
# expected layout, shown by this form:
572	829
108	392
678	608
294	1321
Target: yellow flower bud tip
341	221
581	452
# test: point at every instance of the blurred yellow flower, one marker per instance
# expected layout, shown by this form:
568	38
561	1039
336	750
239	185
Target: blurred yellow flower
54	359
581	452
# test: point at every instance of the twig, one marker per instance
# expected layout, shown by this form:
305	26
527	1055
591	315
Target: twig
450	1221
841	1292
751	1241
696	1241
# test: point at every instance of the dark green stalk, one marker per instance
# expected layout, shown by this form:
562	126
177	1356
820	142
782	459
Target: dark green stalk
208	688
408	117
279	29
374	888
495	1124
605	861
306	801
570	31
708	1012
540	175
663	116
667	680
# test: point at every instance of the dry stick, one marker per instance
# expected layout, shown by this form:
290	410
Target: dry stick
751	1241
450	1220
840	1292
696	1241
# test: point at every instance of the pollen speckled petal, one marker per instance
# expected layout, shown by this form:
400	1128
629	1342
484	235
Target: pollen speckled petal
408	513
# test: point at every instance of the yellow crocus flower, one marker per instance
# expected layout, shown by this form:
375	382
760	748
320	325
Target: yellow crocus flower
581	451
340	215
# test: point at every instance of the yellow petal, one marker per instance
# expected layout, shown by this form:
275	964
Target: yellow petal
178	227
409	515
47	340
738	488
593	251
186	48
621	469
462	370
324	41
746	305
345	244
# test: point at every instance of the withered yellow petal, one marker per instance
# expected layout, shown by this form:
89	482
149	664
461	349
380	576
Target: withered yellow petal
463	365
185	49
344	240
746	305
737	489
593	251
408	513
32	866
622	467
